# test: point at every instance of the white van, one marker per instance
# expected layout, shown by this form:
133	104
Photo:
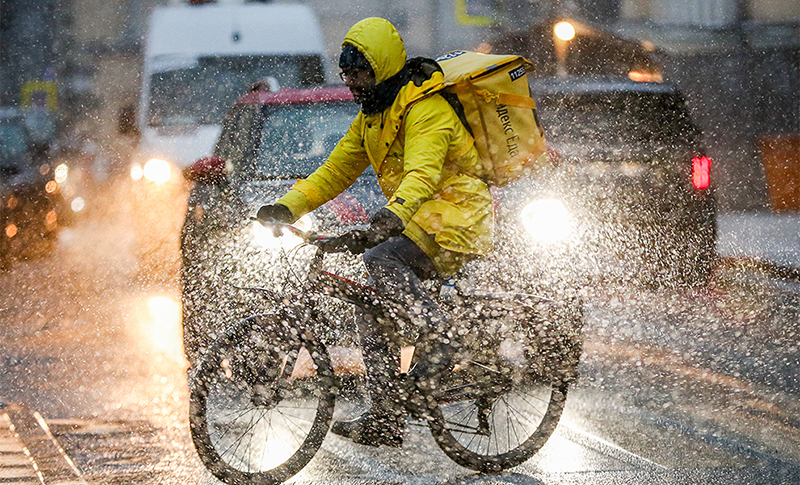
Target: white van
200	58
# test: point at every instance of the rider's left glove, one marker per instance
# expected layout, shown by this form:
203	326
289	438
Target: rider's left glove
275	213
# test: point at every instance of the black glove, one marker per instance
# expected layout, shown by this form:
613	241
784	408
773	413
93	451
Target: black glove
356	241
359	240
386	224
275	213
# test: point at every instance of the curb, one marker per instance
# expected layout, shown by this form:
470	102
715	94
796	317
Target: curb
788	273
49	463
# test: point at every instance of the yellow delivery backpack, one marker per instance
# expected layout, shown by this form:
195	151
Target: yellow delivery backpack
499	112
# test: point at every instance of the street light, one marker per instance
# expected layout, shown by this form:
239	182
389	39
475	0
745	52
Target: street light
563	33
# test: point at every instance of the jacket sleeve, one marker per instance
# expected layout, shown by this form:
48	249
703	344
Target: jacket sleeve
429	127
346	162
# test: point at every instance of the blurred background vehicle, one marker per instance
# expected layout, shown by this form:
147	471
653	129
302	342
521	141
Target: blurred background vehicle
268	141
198	60
630	200
632	197
31	205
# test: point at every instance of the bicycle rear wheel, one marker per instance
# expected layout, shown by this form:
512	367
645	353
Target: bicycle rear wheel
261	402
490	428
500	408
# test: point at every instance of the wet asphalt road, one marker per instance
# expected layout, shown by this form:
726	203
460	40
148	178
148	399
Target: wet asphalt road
676	387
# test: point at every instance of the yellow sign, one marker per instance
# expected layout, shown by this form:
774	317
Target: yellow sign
465	17
49	88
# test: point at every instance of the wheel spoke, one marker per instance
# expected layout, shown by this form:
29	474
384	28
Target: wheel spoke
520	420
238	442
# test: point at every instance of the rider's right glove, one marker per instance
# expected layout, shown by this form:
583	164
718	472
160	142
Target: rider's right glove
359	240
356	241
275	213
385	224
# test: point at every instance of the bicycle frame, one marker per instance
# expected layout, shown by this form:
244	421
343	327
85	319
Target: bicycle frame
324	283
480	305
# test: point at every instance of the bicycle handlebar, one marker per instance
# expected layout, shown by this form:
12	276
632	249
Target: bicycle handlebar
326	244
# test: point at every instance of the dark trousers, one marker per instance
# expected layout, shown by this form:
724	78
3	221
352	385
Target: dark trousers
397	269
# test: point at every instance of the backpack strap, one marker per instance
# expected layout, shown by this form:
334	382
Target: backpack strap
516	100
507	99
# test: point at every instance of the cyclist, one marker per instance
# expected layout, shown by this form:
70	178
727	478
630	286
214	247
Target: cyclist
438	214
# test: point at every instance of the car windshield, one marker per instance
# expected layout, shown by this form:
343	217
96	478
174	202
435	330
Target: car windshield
616	119
13	145
203	93
296	139
13	141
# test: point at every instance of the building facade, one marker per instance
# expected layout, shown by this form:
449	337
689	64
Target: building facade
737	61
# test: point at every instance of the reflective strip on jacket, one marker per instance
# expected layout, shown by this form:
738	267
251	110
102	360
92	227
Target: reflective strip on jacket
425	160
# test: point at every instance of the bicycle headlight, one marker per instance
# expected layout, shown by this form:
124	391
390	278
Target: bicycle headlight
265	237
547	221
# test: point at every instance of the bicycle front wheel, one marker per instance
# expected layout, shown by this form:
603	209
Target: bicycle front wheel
490	430
261	402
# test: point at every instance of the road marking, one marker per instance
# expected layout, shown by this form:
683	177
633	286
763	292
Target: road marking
565	429
16	465
48	458
61	451
649	356
718	437
379	469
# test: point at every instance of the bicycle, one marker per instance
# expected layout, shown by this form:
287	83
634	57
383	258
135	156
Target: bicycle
262	399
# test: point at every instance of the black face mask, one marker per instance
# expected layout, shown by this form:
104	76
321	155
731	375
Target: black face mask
383	94
418	70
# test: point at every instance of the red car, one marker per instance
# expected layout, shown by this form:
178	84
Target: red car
268	141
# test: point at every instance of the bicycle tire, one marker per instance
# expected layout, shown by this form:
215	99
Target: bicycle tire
253	420
526	427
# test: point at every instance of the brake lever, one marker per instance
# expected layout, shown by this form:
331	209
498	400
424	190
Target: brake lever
327	244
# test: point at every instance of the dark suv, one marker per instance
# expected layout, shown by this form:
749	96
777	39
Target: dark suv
29	194
268	141
631	197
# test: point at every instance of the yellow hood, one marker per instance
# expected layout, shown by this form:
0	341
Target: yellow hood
381	44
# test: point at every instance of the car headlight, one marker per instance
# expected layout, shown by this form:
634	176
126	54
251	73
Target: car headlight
157	171
547	220
136	172
77	204
264	237
61	173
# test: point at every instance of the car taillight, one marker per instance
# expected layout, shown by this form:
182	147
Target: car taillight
701	172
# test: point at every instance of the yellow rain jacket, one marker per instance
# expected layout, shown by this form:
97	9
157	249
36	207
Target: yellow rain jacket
425	160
